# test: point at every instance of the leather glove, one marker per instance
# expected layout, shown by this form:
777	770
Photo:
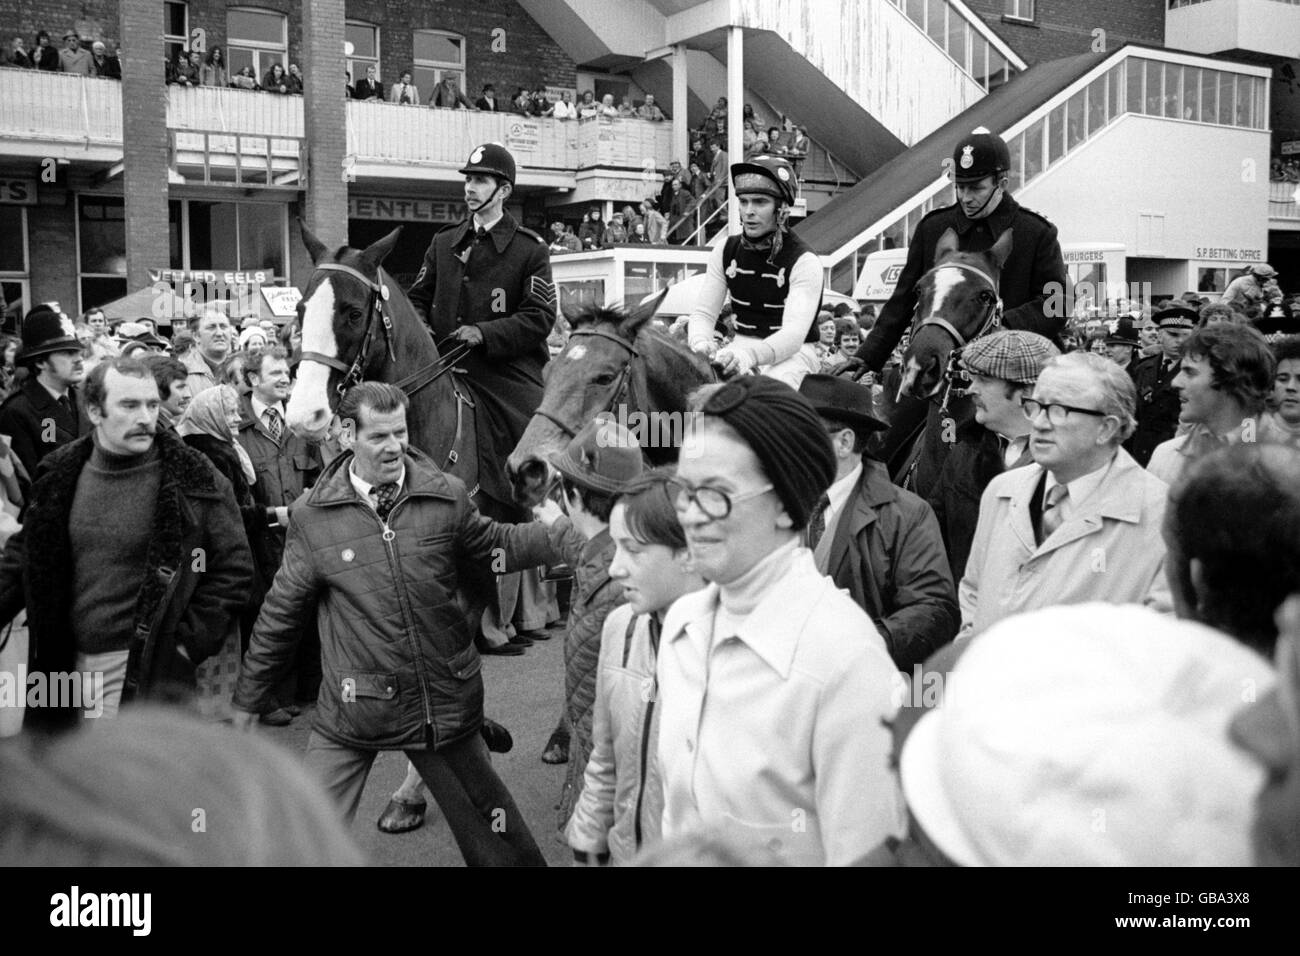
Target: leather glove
469	333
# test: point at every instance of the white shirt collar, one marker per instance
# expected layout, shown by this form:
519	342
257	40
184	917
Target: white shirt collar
259	408
363	487
488	226
839	492
1079	490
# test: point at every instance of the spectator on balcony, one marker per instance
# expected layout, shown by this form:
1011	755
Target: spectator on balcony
775	141
557	237
755	143
522	102
214	72
564	109
447	95
101	64
592	229
541	105
19	57
607	107
588	107
276	80
404	92
797	150
699	153
679	204
656	226
72	58
718	170
630	218
615	232
750	121
245	79
649	110
715	125
294	80
571	241
370	88
625	108
696	181
488	101
183	72
45	57
638	235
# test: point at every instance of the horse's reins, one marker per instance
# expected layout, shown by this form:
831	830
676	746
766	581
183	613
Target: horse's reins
352	374
620	387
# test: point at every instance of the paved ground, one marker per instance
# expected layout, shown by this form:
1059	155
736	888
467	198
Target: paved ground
523	693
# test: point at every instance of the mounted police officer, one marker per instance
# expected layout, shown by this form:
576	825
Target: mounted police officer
773	278
1032	282
1158	403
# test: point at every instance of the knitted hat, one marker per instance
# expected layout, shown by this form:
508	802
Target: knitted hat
1009	354
786	434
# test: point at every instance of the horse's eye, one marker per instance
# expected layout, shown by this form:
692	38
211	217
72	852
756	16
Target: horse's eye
605	379
354	317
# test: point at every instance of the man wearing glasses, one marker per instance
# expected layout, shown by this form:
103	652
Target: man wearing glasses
1080	524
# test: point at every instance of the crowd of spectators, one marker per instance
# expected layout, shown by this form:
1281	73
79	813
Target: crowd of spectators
1284	169
76	56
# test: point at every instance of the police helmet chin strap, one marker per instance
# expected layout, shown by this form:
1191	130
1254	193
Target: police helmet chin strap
486	202
997	190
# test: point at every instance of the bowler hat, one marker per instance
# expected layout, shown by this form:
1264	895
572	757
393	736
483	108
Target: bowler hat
46	331
841	400
604	456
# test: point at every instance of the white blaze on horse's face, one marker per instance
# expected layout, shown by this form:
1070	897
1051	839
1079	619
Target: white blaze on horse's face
308	412
946	280
577	352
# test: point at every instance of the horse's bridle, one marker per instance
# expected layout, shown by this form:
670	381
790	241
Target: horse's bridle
992	317
621	386
376	309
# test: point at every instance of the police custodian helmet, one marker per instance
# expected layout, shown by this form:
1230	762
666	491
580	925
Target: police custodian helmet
768	175
980	154
491	159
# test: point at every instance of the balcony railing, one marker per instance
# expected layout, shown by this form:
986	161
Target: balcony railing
40	109
1284	200
233	110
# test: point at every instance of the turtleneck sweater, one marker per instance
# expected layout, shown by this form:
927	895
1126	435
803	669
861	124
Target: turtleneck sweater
737	600
110	526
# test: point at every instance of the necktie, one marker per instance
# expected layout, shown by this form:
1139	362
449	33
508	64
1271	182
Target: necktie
274	424
479	234
817	522
64	404
1052	516
385	498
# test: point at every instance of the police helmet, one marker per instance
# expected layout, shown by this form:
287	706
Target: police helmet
980	154
491	159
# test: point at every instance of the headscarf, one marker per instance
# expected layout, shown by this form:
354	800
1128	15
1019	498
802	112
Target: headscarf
207	415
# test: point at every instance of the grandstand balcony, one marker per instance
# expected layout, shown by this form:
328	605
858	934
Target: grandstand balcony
1268	27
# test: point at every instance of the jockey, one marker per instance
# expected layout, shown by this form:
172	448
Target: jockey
773	278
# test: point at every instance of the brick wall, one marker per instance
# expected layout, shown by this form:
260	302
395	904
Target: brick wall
325	123
1065	27
52	248
144	127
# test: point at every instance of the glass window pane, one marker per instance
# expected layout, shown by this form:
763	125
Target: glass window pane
895	238
238	58
915	10
1155	105
1114	88
936	20
997	69
362	39
1173	91
1245	114
1209	95
261	237
1016	148
1056	135
437	47
174	19
1134	84
1226	97
1261	91
254	26
1034	150
957	39
425	79
1074	121
11	250
1191	93
174	244
101	291
212	235
103	235
1096	105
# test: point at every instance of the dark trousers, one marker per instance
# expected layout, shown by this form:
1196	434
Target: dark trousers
479	809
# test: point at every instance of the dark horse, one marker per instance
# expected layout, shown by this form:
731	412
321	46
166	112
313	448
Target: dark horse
957	302
613	363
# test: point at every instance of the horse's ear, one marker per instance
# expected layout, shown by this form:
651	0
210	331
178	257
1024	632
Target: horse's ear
947	244
642	314
1001	250
378	251
315	248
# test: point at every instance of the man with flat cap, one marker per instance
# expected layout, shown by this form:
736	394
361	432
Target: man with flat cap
876	540
1258	286
1158	403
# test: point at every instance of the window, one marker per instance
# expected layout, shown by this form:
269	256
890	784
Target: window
256	38
101	249
1096	105
1191	93
997	74
915	10
1056	135
1034	150
1227	95
936	24
14	296
1173	91
247	236
1114	91
1020	10
1209	95
1134	83
1245	114
1016	149
959	39
176	28
437	53
1155	104
365	49
1074	121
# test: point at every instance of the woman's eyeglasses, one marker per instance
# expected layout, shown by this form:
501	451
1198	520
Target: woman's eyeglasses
714	502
